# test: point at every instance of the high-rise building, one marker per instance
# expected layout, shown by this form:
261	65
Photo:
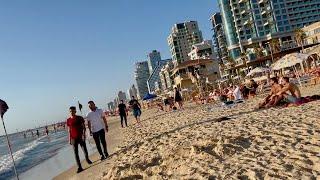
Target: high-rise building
116	102
312	33
122	96
247	22
111	106
181	39
133	92
203	50
154	82
219	39
153	58
141	75
165	76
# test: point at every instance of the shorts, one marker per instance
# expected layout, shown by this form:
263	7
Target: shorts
136	113
292	99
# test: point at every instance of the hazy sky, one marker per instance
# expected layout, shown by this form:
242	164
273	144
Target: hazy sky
56	52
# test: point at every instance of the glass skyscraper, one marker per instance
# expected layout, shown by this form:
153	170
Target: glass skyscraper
141	75
247	22
153	58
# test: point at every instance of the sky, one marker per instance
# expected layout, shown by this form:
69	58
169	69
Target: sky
54	53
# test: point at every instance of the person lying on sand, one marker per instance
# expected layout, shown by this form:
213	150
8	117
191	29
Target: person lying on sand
294	90
272	99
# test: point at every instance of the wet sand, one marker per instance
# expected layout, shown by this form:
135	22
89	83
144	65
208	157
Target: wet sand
114	138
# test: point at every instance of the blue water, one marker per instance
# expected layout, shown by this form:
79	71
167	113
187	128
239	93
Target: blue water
29	151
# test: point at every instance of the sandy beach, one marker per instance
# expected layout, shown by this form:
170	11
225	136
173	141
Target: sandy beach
215	142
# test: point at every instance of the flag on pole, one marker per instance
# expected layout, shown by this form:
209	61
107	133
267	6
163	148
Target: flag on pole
80	106
3	108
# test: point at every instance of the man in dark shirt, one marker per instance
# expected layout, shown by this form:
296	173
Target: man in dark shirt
136	108
77	131
122	108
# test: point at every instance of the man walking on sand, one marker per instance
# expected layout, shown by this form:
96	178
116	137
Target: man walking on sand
97	124
77	131
136	108
122	108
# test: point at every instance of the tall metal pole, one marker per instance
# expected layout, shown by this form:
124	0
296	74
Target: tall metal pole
10	150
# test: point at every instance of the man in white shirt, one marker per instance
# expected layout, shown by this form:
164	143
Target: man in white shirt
97	124
237	93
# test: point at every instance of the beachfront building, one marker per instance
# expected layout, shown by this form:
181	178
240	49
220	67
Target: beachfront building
116	102
122	96
181	39
201	59
248	23
141	75
154	82
111	106
153	58
203	50
133	91
185	77
219	39
312	33
165	77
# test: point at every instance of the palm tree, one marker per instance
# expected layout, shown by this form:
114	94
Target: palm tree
299	36
244	58
275	45
257	50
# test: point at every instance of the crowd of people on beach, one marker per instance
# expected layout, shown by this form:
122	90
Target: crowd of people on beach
37	132
282	91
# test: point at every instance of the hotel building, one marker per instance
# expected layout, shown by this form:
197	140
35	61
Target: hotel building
247	22
181	39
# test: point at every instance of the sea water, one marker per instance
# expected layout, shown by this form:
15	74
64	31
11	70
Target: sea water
30	151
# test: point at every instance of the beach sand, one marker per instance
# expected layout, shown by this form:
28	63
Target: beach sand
210	142
114	137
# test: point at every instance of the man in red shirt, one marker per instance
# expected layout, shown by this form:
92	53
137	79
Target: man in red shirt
77	131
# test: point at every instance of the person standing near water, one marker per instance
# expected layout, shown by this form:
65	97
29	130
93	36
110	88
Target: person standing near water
77	132
122	108
38	134
47	131
136	108
97	124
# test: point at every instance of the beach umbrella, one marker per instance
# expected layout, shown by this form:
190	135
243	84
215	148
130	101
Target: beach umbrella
185	90
289	60
258	70
149	96
3	109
